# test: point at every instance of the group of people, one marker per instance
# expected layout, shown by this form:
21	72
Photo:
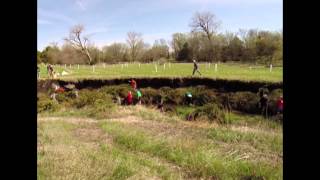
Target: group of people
129	99
57	89
264	101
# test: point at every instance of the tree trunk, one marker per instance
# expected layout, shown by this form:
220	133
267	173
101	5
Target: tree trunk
88	55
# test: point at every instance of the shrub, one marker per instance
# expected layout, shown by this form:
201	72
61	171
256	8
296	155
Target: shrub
245	102
88	98
173	96
202	97
46	104
120	90
211	112
102	107
150	96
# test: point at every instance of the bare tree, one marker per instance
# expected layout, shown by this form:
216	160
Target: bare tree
135	42
78	41
206	22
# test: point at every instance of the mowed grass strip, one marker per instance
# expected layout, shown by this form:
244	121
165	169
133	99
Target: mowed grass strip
230	71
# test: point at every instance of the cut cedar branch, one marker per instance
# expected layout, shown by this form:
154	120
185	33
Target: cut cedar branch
78	42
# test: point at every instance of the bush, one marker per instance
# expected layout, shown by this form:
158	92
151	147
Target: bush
150	96
173	96
46	104
245	102
120	90
102	107
202	97
211	112
65	97
89	98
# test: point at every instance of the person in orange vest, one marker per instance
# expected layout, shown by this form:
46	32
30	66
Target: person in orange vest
129	98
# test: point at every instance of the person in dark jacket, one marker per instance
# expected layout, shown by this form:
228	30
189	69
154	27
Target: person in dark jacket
195	67
264	105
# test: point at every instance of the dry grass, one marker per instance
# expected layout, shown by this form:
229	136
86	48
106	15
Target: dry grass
142	143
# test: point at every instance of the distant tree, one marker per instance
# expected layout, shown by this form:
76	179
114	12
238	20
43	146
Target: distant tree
50	54
234	50
79	42
206	22
160	49
185	53
115	52
135	43
266	46
38	57
178	40
69	55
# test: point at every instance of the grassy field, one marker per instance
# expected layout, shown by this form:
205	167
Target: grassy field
224	71
141	143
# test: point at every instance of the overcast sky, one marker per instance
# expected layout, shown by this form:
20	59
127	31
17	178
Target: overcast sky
108	21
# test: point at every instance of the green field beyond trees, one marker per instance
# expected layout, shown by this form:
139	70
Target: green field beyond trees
224	71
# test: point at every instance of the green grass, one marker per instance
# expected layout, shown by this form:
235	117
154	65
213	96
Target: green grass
142	143
225	71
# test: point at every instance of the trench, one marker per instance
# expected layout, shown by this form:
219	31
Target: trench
219	84
237	95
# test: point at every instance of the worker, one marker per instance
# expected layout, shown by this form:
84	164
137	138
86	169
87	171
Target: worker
280	105
133	84
195	67
264	105
129	98
188	98
139	95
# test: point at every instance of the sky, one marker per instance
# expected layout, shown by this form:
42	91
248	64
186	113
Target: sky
109	21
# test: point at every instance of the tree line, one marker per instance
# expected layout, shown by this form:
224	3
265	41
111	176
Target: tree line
203	43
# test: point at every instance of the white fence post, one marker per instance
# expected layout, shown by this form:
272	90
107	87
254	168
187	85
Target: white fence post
164	66
139	65
93	68
156	67
104	65
216	67
270	67
78	67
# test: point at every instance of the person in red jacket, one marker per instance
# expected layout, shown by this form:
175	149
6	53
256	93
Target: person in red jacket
133	84
129	98
280	105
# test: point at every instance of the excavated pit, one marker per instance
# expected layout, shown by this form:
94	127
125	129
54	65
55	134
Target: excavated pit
218	84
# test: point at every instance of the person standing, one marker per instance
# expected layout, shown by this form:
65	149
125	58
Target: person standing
195	67
264	105
280	105
129	98
139	95
188	97
133	84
